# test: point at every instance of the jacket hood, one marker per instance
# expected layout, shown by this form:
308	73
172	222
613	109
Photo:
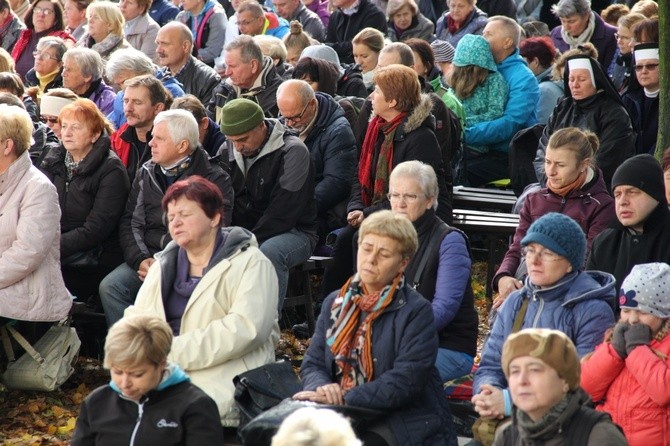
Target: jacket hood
421	113
172	376
577	287
274	142
328	111
55	159
474	50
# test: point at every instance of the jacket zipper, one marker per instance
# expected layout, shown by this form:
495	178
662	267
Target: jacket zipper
539	310
140	410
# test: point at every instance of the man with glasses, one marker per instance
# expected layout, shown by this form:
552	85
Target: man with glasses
642	103
320	122
249	75
273	179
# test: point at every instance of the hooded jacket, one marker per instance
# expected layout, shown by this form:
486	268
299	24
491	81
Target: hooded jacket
519	109
405	384
229	325
579	305
92	201
617	248
558	432
209	30
31	284
274	191
603	114
174	413
333	149
591	207
420	28
342	27
473	24
414	140
634	391
143	228
263	92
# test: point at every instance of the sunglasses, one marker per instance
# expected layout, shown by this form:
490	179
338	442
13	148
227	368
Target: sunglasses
647	66
49	119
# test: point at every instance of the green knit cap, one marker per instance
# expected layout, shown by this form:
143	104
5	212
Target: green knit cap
240	116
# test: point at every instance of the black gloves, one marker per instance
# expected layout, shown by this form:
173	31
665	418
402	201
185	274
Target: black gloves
636	335
618	342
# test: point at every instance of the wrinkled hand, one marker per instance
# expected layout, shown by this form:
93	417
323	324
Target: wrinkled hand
618	342
328	394
506	285
355	218
636	335
144	268
489	402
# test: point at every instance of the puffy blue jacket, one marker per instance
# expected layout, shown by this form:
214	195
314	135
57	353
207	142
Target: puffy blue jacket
333	148
405	382
580	305
163	11
524	94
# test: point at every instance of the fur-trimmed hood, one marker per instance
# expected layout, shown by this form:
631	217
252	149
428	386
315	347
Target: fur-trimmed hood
422	113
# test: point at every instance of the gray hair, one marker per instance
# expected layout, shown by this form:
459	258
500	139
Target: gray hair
56	43
404	52
301	89
567	8
272	46
129	59
181	126
511	29
88	60
249	49
423	173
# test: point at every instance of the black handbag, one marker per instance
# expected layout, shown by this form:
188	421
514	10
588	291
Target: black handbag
264	387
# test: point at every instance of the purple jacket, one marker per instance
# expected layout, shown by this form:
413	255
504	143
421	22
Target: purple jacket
103	96
320	7
591	206
603	39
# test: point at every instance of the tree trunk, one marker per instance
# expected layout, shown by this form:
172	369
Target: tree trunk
663	141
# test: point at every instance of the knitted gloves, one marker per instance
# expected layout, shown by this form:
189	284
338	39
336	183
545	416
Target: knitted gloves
618	342
636	335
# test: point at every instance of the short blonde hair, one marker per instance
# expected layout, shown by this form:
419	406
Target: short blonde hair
396	227
17	126
137	340
109	13
310	426
272	46
7	64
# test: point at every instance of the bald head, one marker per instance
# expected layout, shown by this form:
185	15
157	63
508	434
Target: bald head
297	104
174	43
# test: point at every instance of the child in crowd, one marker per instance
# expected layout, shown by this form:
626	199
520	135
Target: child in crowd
628	374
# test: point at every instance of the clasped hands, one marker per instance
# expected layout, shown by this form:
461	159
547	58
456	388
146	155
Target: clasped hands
326	394
489	402
628	336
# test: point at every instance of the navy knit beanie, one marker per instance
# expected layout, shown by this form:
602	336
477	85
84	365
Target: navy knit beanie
560	234
643	172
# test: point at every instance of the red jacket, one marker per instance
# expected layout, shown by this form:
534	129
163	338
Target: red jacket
120	146
25	36
635	392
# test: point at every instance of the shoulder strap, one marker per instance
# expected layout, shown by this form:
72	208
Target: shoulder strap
436	236
582	424
518	320
23	342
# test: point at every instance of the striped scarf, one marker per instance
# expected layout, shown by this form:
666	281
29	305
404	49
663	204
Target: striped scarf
349	339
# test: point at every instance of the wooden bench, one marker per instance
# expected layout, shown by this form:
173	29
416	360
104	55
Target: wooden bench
494	226
299	292
482	199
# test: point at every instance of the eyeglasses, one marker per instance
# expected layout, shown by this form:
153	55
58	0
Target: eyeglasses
245	22
49	119
542	255
45	11
407	198
44	56
646	66
620	37
294	118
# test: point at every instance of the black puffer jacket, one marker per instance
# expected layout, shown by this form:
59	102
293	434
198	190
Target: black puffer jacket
414	140
92	202
143	231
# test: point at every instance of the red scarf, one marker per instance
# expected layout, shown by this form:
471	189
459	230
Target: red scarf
453	25
373	189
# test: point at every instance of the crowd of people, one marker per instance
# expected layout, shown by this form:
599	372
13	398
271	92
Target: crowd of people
168	162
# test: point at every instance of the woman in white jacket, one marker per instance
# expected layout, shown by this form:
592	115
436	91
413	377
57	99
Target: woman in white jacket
217	291
31	285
